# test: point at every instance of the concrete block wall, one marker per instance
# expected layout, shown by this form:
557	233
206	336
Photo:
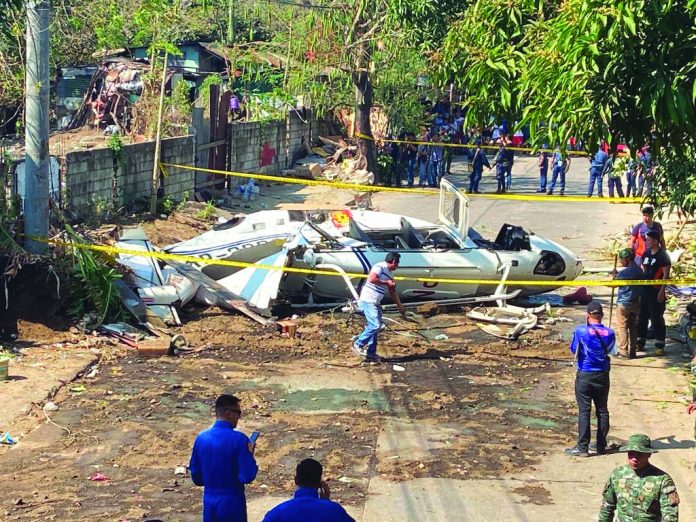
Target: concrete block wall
273	143
180	182
89	179
93	176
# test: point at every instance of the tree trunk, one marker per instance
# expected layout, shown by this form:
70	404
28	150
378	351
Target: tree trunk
363	104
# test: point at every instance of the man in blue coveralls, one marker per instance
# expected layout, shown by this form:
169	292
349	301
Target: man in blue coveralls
222	461
598	163
592	343
311	502
477	163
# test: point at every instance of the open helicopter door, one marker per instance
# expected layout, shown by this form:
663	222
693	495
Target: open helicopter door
454	209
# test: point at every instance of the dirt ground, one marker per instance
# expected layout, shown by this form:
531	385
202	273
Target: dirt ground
136	419
476	399
468	407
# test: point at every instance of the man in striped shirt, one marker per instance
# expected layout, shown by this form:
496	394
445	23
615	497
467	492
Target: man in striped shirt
379	282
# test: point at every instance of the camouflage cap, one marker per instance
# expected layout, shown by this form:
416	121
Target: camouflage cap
626	253
638	442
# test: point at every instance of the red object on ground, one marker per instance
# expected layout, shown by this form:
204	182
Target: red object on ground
99	477
579	296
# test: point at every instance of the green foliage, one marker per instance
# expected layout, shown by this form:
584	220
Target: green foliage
579	67
620	70
674	181
166	205
92	282
115	145
385	164
180	100
204	89
207	212
99	211
182	204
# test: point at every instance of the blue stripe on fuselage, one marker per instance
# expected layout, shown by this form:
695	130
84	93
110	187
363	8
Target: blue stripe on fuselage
205	250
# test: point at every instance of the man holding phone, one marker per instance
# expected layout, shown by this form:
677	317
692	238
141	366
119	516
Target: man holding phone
311	502
222	461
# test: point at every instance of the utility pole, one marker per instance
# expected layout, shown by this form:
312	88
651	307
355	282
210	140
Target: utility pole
36	123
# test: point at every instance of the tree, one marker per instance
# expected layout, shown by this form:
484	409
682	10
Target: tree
364	53
615	70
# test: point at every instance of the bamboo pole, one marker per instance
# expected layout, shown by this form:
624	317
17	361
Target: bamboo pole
613	289
158	139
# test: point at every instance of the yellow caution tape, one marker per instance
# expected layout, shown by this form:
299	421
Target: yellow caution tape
468	145
164	256
373	188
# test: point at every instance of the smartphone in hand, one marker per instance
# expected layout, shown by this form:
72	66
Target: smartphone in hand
254	436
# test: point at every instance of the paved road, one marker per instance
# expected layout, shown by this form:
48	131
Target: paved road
579	226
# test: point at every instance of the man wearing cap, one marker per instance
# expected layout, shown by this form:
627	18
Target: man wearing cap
637	240
638	491
592	343
628	304
656	264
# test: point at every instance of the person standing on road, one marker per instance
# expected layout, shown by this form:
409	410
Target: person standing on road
410	156
656	265
222	461
561	165
638	491
598	164
423	159
379	282
477	162
543	170
508	168
312	501
501	163
637	240
615	169
632	170
646	171
628	304
592	344
435	162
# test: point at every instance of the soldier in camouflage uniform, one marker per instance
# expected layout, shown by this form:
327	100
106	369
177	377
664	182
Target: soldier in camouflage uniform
638	491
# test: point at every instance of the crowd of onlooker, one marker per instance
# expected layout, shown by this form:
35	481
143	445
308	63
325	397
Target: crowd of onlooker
428	157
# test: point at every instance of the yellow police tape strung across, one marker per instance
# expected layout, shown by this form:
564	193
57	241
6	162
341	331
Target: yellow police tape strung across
240	264
373	188
467	145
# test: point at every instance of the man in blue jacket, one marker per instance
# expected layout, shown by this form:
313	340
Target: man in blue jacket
598	164
477	162
311	502
592	343
222	461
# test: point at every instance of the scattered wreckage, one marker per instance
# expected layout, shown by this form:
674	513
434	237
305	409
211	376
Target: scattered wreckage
314	259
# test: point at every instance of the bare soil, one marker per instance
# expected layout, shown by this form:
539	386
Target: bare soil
485	408
137	418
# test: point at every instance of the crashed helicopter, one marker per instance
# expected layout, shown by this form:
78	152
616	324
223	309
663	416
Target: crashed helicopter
315	245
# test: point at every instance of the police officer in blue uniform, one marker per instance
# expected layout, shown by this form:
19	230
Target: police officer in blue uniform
222	461
598	164
592	343
478	160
